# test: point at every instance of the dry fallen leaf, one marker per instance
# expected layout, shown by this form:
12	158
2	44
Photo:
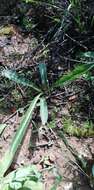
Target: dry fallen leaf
7	30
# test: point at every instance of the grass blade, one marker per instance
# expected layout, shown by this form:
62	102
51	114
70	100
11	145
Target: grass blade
12	75
43	110
9	155
71	76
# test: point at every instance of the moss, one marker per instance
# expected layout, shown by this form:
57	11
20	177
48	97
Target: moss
69	127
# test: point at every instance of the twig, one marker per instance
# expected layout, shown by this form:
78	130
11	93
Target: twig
81	45
48	144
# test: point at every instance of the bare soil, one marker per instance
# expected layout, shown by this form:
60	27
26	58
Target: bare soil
50	156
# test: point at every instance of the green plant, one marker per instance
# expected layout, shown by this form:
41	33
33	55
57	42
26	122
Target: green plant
71	76
87	57
41	97
9	155
75	6
23	178
71	128
28	24
75	3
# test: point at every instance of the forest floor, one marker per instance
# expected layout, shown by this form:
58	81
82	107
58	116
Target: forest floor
72	105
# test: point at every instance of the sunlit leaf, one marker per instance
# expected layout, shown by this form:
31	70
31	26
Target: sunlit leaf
19	177
5	187
9	155
43	110
15	185
23	172
32	185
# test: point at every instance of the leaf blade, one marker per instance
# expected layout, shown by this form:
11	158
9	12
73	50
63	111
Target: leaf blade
43	110
43	74
72	75
12	75
9	155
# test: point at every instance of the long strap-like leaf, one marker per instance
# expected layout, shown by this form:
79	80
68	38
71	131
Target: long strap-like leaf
43	74
43	110
9	155
12	75
71	76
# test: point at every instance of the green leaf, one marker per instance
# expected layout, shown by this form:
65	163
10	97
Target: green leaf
32	185
9	155
15	185
88	54
5	187
17	178
93	170
30	171
12	75
43	73
54	187
2	127
43	110
71	76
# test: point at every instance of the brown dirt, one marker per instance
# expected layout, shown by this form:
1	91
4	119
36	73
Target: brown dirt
47	154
